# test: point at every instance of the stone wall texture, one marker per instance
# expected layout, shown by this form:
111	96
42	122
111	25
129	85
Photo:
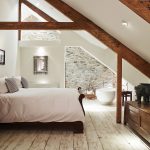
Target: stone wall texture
82	70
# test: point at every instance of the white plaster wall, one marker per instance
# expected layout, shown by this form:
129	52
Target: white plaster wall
133	75
109	14
55	76
105	56
9	39
8	10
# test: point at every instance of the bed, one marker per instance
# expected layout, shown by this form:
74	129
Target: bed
44	106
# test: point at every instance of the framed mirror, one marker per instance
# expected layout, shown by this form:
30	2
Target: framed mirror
40	64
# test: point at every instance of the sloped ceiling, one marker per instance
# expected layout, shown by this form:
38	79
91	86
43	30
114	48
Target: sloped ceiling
140	7
109	14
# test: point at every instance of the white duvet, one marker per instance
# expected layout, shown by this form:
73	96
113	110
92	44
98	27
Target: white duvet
42	105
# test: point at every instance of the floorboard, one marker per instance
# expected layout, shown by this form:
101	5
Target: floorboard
101	133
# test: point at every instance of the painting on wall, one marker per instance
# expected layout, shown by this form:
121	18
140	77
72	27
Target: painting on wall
2	57
40	64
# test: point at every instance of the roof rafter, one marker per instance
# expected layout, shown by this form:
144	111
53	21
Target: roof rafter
19	18
81	23
103	36
41	26
67	10
38	11
140	7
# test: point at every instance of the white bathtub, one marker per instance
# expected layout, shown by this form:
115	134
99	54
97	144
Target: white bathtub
106	96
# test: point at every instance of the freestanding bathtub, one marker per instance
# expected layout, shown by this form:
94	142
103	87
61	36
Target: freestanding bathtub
106	96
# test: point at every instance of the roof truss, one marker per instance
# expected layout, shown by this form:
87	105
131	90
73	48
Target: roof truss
38	11
82	23
41	26
103	36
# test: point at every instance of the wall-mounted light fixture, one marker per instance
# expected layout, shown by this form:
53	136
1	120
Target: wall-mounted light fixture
124	23
40	51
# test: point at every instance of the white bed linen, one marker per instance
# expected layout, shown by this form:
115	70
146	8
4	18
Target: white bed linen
41	104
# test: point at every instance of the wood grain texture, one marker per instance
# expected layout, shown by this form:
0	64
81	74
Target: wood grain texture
134	59
101	133
119	87
40	140
82	23
140	7
67	10
137	116
40	26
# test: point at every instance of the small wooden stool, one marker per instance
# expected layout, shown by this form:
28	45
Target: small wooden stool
90	96
125	95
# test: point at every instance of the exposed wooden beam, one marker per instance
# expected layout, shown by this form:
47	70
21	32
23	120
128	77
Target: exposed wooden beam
38	11
67	10
137	61
103	36
40	26
19	10
139	7
19	18
119	87
127	54
111	42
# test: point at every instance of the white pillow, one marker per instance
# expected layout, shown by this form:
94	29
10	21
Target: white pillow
3	87
18	81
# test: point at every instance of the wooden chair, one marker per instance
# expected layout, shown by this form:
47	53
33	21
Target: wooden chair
125	95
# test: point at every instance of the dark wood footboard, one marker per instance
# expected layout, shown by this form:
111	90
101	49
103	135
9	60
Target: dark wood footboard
76	127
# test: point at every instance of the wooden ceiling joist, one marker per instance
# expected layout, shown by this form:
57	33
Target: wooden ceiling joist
38	11
134	59
66	10
127	54
19	11
81	23
19	18
140	7
40	26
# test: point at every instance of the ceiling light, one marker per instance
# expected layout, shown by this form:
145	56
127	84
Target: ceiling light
124	23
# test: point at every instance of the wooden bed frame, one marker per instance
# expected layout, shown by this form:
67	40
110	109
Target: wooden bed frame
76	127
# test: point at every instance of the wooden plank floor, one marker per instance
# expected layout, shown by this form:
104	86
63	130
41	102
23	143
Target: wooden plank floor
101	133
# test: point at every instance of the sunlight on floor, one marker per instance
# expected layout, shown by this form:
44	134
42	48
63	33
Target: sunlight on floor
124	136
90	106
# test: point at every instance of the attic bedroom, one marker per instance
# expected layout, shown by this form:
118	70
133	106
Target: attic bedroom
74	74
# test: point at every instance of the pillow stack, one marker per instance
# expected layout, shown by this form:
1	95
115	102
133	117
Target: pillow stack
11	85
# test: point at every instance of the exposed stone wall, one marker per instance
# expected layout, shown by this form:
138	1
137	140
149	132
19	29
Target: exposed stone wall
81	69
